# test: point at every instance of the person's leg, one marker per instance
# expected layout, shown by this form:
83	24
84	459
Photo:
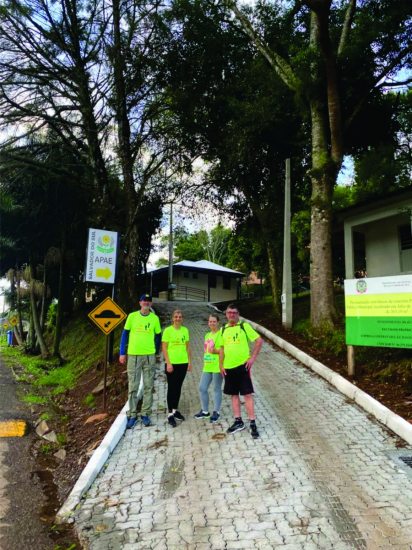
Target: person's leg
181	371
236	406
149	365
171	390
133	376
217	390
205	381
250	406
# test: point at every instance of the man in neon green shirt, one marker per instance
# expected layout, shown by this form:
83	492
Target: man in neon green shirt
141	337
235	363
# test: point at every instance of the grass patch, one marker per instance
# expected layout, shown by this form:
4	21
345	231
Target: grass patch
32	399
46	448
82	346
90	400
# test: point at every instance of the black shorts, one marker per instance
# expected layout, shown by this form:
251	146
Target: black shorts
238	381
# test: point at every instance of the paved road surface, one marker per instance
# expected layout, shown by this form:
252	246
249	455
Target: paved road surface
21	496
323	475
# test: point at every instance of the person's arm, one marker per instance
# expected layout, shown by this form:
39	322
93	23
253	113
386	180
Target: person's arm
169	366
124	340
221	360
158	342
189	357
257	345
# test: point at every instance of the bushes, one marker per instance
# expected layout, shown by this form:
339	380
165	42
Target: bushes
324	338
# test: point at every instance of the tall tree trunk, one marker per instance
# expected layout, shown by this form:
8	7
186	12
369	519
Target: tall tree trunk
59	312
273	278
323	177
43	298
125	154
327	155
31	337
35	314
18	302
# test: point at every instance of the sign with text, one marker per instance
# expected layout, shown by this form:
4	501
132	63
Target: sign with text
107	315
101	256
379	311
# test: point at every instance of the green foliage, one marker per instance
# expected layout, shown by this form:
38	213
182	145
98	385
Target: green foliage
46	448
189	246
61	439
400	371
51	316
90	400
300	229
81	344
33	399
201	245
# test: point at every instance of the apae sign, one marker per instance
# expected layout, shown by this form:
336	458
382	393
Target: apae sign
101	256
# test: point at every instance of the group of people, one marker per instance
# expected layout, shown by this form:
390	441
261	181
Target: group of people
227	358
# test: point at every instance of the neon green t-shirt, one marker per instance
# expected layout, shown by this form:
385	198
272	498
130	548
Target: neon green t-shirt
176	340
210	360
235	344
142	333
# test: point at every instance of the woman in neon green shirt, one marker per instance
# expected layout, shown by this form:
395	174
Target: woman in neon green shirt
211	372
176	351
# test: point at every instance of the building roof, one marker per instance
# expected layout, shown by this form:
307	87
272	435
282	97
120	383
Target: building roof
205	264
201	265
372	203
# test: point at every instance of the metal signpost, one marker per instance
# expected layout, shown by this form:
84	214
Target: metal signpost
101	268
107	316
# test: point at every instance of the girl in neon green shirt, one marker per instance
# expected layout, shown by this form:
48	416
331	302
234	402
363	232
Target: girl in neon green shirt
176	351
211	372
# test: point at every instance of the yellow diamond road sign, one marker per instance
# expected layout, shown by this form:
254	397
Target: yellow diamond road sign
13	321
107	315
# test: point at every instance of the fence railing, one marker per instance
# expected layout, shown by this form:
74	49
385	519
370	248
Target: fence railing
189	293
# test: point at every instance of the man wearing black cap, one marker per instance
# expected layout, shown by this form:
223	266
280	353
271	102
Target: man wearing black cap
141	339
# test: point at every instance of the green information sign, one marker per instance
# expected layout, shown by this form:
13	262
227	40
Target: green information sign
379	311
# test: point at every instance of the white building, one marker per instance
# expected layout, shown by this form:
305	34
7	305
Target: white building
201	281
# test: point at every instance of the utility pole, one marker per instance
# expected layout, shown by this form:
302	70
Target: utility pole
170	276
287	314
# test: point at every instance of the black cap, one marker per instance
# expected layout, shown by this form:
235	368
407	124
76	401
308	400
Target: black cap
145	298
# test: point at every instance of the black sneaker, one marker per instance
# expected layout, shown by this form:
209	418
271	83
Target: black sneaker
178	415
172	421
201	415
215	417
131	421
254	431
237	426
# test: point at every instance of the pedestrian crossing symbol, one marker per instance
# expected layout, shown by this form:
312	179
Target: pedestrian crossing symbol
107	315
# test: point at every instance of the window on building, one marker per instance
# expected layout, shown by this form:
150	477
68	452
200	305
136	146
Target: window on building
185	274
212	281
194	275
226	283
405	245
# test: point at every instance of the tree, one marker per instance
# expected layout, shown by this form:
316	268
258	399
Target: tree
88	72
49	184
239	119
371	36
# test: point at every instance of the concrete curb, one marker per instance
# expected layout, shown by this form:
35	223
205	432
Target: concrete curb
96	463
93	467
387	417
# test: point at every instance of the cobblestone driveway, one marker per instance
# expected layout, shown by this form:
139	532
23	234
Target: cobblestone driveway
323	475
